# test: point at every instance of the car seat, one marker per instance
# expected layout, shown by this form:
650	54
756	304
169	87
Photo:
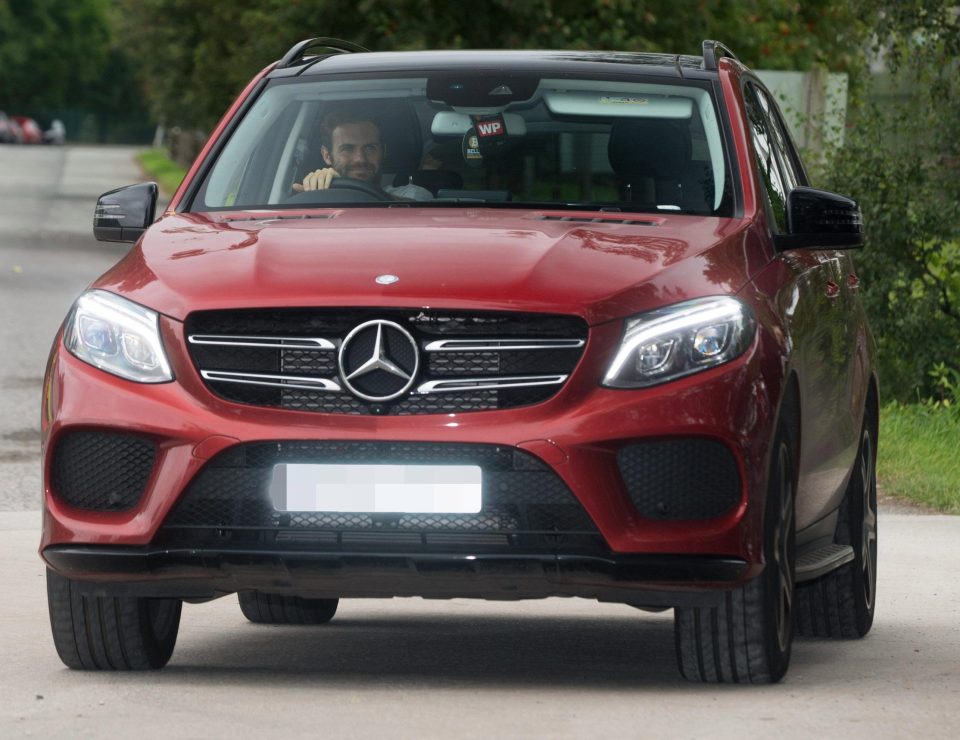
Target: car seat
652	161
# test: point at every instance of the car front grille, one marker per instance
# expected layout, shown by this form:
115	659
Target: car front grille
524	503
288	358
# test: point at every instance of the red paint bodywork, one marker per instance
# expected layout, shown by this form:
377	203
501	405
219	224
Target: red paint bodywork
460	259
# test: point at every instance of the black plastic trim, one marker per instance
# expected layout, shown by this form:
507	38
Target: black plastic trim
713	51
665	580
296	55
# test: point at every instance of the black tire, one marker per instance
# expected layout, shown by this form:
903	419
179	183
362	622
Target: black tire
748	638
264	608
110	633
842	603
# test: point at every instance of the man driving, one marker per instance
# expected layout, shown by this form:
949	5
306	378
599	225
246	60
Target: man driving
351	146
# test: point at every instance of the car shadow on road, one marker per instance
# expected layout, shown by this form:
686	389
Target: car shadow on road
448	651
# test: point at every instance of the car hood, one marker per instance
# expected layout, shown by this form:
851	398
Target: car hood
600	267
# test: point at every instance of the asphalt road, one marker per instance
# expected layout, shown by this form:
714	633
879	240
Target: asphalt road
47	257
409	667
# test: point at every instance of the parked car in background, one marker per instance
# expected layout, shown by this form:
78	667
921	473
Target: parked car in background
56	134
6	130
10	132
496	325
29	129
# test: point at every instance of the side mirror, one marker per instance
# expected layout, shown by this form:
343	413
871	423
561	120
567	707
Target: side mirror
821	220
122	215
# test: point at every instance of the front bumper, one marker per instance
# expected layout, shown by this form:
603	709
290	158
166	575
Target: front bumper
577	434
642	580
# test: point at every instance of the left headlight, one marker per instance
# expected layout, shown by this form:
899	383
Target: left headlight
679	340
118	336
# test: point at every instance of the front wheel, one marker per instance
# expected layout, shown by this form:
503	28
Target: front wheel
842	602
748	638
110	633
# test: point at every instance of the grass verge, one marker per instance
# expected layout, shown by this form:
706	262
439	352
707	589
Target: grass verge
161	168
919	455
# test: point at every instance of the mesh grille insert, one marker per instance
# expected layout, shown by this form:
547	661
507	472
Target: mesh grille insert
680	479
102	471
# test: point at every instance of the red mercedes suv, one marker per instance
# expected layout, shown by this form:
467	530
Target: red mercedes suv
499	325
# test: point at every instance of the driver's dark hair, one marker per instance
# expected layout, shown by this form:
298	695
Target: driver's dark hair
345	114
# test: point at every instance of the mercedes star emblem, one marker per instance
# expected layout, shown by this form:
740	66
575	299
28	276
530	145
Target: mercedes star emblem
387	279
378	360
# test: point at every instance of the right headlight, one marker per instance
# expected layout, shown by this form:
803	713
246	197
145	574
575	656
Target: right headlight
118	336
680	340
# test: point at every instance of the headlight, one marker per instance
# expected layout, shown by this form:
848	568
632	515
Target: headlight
117	336
678	340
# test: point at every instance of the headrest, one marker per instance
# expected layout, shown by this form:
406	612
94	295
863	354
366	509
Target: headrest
400	133
648	148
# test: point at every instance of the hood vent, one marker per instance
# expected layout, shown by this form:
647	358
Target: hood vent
599	220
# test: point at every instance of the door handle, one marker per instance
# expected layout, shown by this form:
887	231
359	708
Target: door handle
833	290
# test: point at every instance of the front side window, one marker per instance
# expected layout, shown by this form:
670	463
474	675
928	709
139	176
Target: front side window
784	149
475	139
763	146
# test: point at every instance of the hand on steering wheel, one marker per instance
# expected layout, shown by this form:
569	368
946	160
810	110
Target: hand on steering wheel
318	179
328	178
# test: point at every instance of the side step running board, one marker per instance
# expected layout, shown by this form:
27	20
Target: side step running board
821	561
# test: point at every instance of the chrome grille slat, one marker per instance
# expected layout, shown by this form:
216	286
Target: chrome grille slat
500	345
316	343
273	381
444	385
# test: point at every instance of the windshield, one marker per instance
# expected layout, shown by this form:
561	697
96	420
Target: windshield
475	139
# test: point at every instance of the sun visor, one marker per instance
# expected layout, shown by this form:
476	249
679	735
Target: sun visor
454	123
616	105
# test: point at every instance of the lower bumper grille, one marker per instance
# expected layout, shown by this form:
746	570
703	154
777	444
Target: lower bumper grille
101	471
525	504
683	479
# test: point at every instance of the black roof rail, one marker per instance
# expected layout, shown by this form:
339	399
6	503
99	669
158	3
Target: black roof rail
712	51
297	53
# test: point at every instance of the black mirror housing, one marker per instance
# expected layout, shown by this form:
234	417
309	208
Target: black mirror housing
122	215
821	220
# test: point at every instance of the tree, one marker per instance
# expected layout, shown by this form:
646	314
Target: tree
901	161
51	51
193	67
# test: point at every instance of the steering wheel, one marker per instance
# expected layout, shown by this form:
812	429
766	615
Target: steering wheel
349	183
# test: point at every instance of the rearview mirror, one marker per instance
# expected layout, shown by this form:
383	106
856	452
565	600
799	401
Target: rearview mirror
122	215
821	220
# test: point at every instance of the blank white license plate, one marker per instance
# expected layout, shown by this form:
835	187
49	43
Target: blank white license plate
412	489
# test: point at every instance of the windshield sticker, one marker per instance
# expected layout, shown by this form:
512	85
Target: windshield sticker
471	148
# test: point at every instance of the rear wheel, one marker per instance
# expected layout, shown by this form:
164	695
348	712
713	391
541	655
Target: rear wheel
842	603
265	608
110	633
748	638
